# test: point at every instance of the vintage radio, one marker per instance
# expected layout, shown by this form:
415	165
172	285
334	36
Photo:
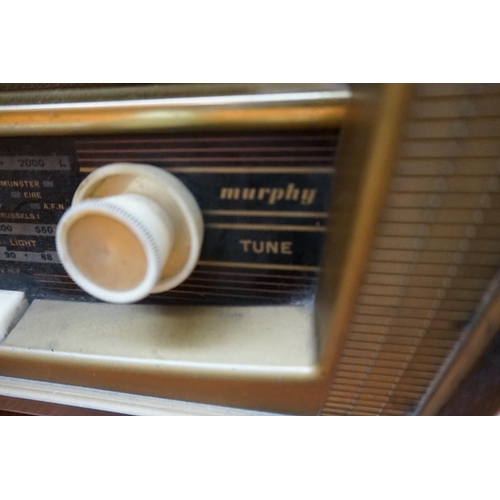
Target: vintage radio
297	249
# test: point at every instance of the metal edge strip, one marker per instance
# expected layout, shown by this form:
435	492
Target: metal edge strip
267	110
47	398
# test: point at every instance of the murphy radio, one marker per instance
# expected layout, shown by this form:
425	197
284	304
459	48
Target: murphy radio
300	249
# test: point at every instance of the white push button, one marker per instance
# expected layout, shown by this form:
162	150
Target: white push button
132	230
12	306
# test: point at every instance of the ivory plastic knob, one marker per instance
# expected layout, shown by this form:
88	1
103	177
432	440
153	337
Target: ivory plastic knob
132	230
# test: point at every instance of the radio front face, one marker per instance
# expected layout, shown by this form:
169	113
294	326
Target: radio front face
264	198
306	252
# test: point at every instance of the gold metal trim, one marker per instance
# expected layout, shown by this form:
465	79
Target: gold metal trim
209	355
251	265
267	213
268	227
292	107
340	282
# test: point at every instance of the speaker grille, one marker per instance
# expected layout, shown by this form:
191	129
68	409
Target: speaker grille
436	250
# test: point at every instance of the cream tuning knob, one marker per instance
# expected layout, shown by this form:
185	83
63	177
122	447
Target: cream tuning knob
116	247
132	230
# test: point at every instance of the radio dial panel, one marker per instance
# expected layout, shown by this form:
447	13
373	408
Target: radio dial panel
263	198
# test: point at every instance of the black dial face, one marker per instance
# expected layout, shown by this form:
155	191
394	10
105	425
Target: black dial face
264	198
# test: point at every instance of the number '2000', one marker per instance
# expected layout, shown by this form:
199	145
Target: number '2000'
31	162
